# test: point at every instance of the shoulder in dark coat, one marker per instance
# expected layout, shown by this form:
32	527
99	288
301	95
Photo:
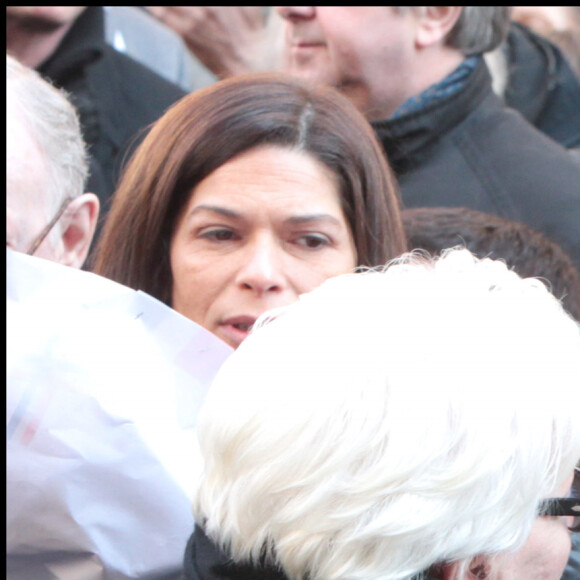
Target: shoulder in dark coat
473	151
542	86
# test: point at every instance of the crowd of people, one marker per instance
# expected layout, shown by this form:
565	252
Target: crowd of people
297	180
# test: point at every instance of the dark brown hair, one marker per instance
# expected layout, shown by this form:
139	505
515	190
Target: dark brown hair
208	128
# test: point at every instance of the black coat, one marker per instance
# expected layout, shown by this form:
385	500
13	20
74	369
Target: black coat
471	150
117	98
204	561
542	85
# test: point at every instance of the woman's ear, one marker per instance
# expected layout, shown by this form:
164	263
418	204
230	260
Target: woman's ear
434	24
79	229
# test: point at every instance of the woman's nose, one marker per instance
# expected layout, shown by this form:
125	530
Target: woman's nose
262	267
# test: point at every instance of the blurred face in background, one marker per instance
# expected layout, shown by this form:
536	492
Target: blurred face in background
547	19
345	46
257	232
44	17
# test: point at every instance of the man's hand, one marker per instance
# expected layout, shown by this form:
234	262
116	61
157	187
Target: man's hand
228	40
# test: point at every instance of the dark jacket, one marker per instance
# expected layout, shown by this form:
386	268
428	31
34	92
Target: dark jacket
471	150
542	86
204	561
116	96
572	571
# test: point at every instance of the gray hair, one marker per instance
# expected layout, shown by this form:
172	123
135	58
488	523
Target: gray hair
479	29
55	126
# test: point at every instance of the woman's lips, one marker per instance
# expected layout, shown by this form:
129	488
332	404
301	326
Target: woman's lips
236	329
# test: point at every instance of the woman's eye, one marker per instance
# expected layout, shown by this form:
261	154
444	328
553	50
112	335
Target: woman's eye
219	235
313	241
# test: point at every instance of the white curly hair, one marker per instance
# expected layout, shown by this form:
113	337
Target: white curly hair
392	420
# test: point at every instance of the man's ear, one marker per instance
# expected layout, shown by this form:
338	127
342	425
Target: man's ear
434	24
79	229
478	569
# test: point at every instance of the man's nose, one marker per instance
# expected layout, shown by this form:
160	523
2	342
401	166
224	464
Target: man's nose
295	12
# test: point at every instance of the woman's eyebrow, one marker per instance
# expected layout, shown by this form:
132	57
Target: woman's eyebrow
292	220
318	217
216	209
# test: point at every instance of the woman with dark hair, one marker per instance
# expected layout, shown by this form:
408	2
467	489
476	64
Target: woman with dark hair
245	195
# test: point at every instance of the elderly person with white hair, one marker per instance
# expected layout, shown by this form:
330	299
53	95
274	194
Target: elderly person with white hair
415	422
48	213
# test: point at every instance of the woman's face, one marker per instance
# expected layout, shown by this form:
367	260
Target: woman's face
256	233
